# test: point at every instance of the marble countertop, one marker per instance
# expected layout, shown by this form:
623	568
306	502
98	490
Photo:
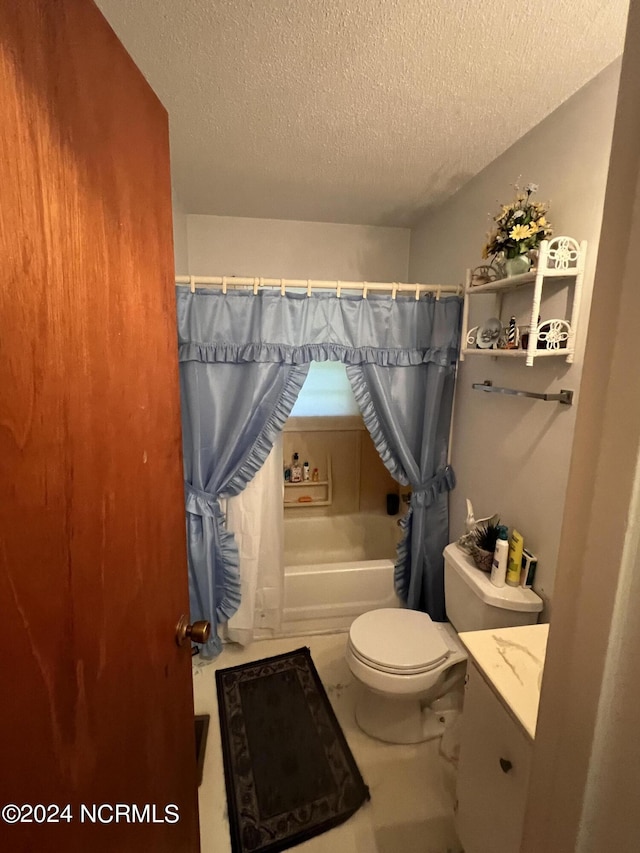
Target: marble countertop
512	661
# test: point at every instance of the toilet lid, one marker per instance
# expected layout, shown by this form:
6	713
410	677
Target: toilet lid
397	640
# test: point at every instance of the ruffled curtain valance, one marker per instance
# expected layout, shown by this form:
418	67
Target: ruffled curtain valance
296	329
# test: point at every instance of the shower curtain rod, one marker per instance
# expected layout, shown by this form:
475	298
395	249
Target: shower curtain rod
228	281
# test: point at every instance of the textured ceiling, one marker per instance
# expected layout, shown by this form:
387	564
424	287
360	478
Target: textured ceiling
361	111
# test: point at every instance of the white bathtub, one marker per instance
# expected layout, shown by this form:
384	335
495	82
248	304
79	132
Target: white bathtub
336	568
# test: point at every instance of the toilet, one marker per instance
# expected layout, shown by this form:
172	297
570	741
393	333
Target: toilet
407	664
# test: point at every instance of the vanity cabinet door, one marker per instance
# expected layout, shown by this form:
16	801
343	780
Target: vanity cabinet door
493	774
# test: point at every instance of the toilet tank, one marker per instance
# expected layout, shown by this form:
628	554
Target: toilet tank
474	604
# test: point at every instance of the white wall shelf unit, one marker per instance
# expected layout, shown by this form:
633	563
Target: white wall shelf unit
314	492
559	258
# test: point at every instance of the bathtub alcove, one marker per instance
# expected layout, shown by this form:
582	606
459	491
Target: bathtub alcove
344	569
338	557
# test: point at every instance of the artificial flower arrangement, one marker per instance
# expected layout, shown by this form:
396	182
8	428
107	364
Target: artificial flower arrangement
519	227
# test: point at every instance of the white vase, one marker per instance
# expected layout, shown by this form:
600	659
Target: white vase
516	266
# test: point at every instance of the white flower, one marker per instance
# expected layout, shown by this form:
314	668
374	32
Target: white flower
531	188
518	214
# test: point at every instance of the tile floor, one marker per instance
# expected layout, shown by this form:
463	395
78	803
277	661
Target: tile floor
412	787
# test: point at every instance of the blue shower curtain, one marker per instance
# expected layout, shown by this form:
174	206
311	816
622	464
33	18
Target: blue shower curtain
407	412
231	415
243	359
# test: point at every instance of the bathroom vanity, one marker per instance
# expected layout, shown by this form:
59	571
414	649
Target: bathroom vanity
502	694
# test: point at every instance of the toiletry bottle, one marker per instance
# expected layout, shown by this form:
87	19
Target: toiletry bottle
499	567
287	474
514	564
512	334
306	471
296	470
316	475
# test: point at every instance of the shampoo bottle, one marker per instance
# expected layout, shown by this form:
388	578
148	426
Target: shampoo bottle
306	471
514	564
499	568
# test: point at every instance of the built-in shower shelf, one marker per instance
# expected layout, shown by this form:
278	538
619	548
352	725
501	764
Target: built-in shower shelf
320	491
298	505
307	483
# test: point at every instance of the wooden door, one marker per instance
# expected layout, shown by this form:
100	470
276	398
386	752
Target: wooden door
96	706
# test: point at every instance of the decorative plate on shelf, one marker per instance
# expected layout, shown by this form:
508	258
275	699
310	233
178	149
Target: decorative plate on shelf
484	274
553	334
488	333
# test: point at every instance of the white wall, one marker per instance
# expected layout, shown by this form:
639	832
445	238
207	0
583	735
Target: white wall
278	248
180	251
511	455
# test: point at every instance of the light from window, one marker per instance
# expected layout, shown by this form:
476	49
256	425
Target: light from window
326	391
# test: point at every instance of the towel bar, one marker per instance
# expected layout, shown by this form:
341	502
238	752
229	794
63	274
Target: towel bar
564	396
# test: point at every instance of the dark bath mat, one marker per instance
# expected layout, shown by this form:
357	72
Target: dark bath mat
288	770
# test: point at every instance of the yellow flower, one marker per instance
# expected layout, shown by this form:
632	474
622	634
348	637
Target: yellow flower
485	253
540	223
520	232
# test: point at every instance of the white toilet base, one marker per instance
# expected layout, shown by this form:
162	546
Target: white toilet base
399	707
398	720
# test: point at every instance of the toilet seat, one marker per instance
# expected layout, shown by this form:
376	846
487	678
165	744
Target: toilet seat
398	642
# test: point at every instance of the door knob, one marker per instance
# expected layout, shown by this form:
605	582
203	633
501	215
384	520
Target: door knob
199	632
